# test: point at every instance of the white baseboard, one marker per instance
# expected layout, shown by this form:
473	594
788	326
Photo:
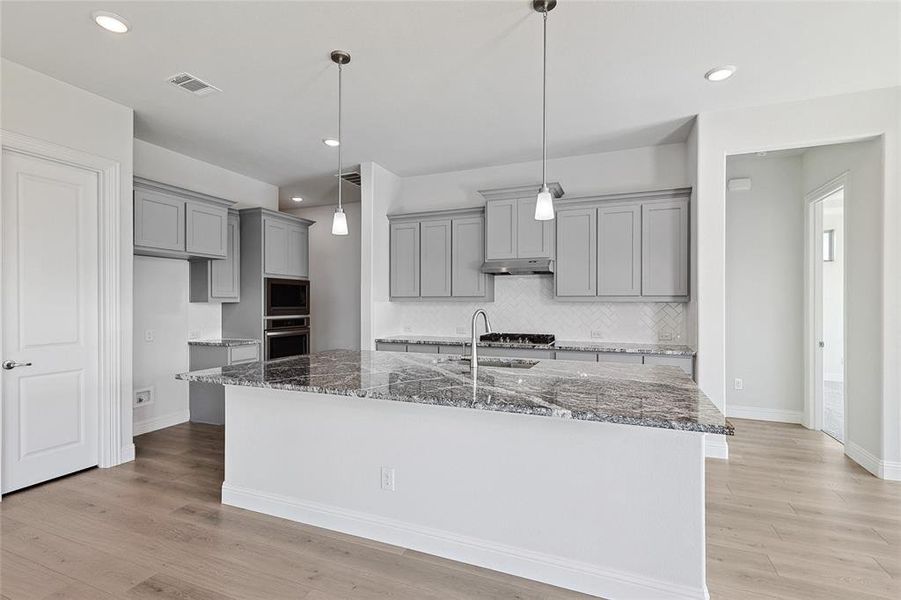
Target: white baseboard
882	469
716	446
765	414
127	453
551	569
148	425
834	377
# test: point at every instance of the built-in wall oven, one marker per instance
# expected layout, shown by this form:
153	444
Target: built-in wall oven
287	297
286	336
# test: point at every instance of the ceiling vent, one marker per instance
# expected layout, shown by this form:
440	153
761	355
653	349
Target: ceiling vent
192	84
352	177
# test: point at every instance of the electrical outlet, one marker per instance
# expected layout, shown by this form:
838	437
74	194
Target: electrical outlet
143	397
148	335
462	330
667	336
408	329
739	384
597	334
388	478
193	334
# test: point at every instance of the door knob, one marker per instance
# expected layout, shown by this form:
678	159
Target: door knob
11	364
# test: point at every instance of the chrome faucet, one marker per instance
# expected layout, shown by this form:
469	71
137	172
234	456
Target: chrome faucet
474	353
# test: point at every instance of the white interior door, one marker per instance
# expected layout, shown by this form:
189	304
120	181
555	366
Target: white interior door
49	322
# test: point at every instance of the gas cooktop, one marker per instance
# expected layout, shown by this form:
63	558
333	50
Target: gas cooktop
537	339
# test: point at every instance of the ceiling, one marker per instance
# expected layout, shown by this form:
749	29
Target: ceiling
438	86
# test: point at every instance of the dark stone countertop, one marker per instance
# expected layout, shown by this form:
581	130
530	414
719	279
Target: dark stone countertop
641	395
582	346
224	343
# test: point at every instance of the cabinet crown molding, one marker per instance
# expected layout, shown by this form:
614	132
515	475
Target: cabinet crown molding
521	191
276	214
437	214
174	190
644	195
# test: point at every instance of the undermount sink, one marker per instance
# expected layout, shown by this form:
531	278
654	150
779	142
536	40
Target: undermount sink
501	363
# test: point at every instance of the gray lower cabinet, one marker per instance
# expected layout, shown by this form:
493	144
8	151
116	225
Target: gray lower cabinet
438	255
620	357
517	353
686	363
619	250
576	274
220	280
176	223
664	243
423	348
576	355
285	248
391	347
404	260
467	256
207	400
435	258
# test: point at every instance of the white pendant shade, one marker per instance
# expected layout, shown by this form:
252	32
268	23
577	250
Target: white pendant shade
339	222
544	207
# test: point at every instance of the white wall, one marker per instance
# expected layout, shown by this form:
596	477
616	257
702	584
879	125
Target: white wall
635	169
765	288
39	106
334	278
164	306
865	391
796	125
833	291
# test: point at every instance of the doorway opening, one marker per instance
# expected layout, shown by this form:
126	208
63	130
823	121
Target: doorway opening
826	244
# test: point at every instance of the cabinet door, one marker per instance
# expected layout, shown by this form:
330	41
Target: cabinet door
467	256
225	274
298	250
435	258
404	261
206	229
500	225
576	273
619	250
275	247
534	239
664	248
159	221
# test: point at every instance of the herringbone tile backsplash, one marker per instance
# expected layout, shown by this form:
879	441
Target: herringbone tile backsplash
526	304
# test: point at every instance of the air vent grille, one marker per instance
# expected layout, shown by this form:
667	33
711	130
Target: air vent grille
352	177
192	84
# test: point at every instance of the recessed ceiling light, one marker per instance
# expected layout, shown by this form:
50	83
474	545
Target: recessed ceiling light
297	198
720	73
110	21
330	142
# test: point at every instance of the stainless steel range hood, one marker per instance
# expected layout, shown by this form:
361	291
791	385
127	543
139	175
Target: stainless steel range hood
519	266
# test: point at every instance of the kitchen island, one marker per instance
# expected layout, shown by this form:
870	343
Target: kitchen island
586	476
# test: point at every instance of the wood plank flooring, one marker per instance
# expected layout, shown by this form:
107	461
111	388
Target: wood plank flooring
788	517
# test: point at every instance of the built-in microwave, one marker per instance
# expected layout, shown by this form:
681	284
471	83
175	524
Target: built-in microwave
287	297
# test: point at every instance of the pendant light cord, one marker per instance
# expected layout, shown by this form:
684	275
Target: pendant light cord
544	107
339	136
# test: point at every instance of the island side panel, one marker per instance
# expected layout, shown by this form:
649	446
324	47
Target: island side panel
612	510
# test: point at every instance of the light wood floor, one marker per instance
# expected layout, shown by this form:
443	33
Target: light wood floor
788	517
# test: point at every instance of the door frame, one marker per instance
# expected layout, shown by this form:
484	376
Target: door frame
111	366
813	297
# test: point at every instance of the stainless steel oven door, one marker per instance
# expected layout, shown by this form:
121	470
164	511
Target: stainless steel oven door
282	343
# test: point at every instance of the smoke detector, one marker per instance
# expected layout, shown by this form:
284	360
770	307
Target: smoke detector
192	84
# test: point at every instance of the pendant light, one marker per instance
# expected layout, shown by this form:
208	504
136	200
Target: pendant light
544	205
339	222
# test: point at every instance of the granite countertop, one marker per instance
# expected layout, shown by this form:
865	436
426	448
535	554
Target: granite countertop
641	395
583	346
224	343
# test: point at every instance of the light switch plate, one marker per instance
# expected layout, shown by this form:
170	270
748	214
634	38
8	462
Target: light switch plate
143	397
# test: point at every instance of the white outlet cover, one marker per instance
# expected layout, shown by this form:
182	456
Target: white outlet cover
387	476
462	330
598	335
739	384
148	335
142	397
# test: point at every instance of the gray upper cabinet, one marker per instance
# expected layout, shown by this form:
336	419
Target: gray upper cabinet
576	274
468	254
619	250
286	248
159	221
435	258
500	223
534	239
206	229
664	248
176	223
439	255
220	280
404	260
511	230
